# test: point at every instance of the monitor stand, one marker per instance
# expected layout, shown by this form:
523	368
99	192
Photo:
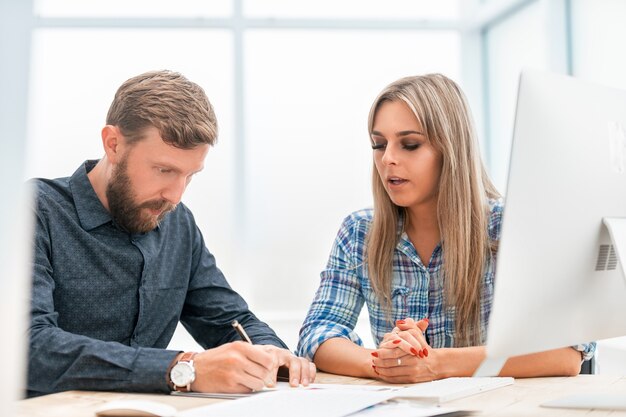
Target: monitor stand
490	367
600	401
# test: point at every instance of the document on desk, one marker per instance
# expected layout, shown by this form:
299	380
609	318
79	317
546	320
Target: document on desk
395	409
295	402
285	386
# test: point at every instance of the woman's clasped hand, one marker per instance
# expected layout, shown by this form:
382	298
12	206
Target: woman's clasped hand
402	355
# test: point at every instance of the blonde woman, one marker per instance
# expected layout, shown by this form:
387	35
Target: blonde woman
423	260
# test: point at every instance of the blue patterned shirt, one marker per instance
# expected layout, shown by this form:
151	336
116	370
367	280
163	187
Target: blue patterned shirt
105	303
417	290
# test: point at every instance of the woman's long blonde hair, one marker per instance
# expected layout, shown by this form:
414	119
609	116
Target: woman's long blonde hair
463	210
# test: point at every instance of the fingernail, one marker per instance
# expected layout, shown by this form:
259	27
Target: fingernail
395	342
413	351
425	319
375	354
400	321
305	382
295	382
425	352
421	353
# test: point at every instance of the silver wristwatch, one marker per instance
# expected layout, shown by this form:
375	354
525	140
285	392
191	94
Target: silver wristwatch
183	373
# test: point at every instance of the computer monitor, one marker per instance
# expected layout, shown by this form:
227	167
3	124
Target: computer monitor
560	269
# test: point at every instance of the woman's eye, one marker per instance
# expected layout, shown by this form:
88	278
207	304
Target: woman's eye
376	146
411	147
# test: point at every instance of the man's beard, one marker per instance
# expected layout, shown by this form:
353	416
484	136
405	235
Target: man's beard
127	214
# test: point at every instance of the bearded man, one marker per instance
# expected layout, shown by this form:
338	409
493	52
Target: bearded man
119	261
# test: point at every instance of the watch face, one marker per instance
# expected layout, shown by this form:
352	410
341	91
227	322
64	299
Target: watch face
182	374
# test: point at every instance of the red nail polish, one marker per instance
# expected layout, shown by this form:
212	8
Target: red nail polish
425	352
413	351
400	321
421	354
395	342
425	319
375	354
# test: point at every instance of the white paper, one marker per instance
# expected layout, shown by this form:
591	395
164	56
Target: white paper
294	402
394	409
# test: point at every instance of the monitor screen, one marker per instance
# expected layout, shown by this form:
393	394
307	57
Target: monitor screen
560	268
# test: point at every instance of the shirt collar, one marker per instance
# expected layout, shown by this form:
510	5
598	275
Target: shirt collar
89	208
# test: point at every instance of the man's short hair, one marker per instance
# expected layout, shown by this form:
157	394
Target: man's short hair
177	107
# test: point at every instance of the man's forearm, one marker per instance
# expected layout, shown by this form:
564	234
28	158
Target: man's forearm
60	361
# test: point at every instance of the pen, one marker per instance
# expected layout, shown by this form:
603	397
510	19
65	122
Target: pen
240	331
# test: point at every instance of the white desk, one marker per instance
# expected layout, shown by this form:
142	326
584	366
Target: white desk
521	399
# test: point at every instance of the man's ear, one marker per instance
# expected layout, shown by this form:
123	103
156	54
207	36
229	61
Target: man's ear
113	142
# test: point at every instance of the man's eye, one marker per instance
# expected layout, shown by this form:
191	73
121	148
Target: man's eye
164	170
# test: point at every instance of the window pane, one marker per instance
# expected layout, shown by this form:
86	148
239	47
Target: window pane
75	74
391	9
598	31
515	43
134	8
308	157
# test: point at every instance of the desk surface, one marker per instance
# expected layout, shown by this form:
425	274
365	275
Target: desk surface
521	399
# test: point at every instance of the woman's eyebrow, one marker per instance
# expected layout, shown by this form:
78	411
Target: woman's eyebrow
409	132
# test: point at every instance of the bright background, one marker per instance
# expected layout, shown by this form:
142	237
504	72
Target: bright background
291	83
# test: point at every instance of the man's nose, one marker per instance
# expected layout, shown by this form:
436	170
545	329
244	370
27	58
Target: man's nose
174	193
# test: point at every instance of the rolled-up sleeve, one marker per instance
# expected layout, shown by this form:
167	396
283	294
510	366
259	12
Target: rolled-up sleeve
587	350
338	300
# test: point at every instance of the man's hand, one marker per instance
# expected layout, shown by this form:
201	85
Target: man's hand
301	370
235	367
240	367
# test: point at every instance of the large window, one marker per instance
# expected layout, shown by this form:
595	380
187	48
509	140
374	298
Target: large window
508	53
291	88
292	83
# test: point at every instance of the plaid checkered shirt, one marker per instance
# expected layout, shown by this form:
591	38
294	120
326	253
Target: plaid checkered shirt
417	290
